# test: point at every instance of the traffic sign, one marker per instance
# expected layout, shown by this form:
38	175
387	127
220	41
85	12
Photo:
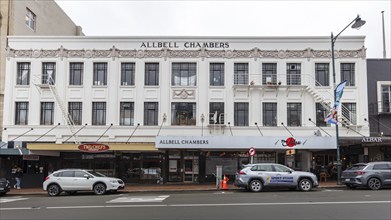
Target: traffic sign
252	151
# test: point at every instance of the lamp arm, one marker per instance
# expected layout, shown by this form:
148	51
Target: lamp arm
335	38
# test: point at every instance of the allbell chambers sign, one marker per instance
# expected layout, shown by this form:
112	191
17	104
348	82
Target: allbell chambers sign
232	142
190	45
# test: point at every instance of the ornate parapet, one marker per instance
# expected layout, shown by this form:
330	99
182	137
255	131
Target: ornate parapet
165	53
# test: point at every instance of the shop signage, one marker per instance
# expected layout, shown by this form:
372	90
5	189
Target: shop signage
371	140
30	157
93	148
290	142
190	44
242	142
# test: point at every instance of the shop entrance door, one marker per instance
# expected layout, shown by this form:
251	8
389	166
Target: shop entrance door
191	168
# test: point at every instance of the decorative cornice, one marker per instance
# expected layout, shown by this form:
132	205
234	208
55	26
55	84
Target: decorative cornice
169	53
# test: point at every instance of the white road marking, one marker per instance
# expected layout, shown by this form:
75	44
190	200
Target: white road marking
12	199
139	199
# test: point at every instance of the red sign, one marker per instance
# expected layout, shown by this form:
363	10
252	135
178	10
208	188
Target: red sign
290	142
251	151
94	148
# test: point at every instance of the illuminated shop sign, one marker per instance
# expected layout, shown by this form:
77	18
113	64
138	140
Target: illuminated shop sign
93	148
257	142
190	44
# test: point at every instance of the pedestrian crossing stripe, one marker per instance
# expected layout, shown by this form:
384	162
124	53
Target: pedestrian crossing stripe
11	199
129	199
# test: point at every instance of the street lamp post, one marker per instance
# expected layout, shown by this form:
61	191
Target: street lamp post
357	23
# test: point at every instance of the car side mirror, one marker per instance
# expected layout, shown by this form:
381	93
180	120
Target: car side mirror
86	176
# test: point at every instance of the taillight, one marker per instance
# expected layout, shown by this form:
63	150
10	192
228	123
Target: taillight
242	173
359	172
46	178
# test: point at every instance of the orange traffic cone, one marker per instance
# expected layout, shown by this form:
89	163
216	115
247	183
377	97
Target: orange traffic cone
224	183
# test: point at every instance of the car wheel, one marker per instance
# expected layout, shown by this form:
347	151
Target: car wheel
255	186
99	189
374	183
305	185
54	190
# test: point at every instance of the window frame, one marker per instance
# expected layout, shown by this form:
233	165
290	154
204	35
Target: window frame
219	107
75	110
21	67
151	74
100	73
265	114
241	108
47	113
348	73
291	114
293	73
127	73
151	108
178	119
241	73
269	70
21	110
31	19
322	74
216	71
76	72
46	67
180	66
124	112
97	109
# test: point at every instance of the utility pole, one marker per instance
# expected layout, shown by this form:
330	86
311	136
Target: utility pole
384	37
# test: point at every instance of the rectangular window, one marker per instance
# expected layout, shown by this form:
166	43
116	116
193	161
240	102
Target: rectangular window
127	74
294	114
184	74
241	114
30	19
152	74
126	113
151	111
347	73
270	114
269	73
293	74
349	111
321	114
216	74
76	74
183	113
216	113
322	74
100	74
99	113
47	113
385	99
241	73
48	73
75	110
21	113
23	74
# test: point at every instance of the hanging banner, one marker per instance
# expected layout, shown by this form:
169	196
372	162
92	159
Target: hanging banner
332	117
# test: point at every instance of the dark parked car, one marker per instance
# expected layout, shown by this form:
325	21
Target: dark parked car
373	175
5	186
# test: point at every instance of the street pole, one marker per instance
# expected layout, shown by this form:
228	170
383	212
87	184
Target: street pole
356	24
384	37
336	125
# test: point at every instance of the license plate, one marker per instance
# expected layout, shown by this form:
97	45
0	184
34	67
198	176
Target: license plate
347	180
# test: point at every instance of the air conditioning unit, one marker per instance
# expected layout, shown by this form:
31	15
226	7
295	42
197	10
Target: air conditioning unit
292	67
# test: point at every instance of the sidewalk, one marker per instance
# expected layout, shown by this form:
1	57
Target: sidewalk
161	188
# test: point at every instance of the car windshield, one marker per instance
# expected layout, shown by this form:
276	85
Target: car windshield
97	174
358	167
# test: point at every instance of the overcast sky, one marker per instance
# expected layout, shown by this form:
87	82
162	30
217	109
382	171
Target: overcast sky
232	18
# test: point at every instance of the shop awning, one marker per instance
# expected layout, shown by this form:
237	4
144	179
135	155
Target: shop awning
75	147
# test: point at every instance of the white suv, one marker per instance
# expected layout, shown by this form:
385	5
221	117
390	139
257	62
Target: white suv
73	180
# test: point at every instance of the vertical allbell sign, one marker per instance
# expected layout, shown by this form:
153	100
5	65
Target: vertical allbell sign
332	117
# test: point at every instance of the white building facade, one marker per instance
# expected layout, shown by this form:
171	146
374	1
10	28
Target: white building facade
175	107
